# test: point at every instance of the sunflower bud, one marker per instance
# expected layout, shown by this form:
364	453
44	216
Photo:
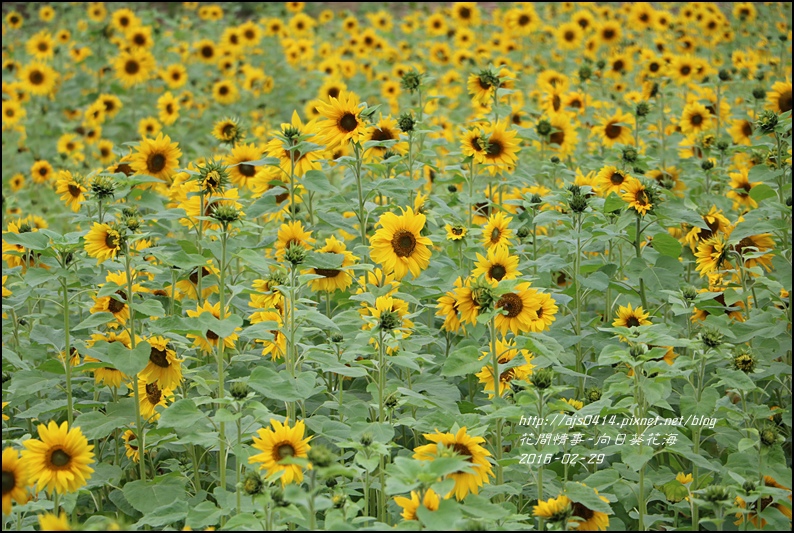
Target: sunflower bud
744	362
578	203
629	154
225	214
748	486
638	350
276	277
522	233
338	500
320	456
543	128
542	378
759	93
768	436
642	109
278	497
689	293
389	320
717	494
724	75
213	177
600	64
788	201
406	122
103	187
239	390
411	81
483	296
452	188
536	200
711	337
585	72
391	402
707	165
767	121
366	439
295	254
554	160
723	145
593	394
253	484
337	338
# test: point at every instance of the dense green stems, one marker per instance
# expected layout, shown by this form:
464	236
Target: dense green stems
312	484
640	413
578	302
99	209
138	419
362	217
200	231
638	249
696	440
196	469
498	421
290	355
67	356
540	468
292	213
381	419
220	357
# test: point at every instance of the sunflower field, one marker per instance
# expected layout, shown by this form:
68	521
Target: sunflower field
445	266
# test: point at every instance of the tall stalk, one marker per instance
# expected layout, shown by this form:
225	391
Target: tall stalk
138	419
220	359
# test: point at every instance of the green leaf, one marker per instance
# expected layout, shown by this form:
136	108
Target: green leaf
587	496
37	276
675	491
222	328
318	319
463	361
328	261
203	515
635	456
182	414
97	319
667	245
165	515
735	379
32	240
442	519
613	203
129	362
761	192
598	281
317	181
146	496
150	307
281	387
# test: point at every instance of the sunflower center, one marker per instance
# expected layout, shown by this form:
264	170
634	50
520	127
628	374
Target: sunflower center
507	375
348	122
582	512
495	149
784	102
223	91
36	77
696	120
139	39
246	170
60	458
465	13
153	393
743	244
497	272
131	67
285	450
685	70
194	275
43	47
207	51
159	357
747	128
608	34
327	272
654	67
115	306
9	481
511	303
403	243
462	449
457	231
211	335
74	190
112	240
228	130
156	163
558	138
569	35
613	130
632	322
382	134
495	234
169	108
616	178
641	198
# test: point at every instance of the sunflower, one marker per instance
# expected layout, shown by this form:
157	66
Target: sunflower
588	519
757	243
123	19
41	46
38	78
205	50
292	233
500	148
97	11
210	340
15	479
554	509
473	142
117	306
615	129
163	367
150	396
131	446
385	130
429	501
682	69
716	223
59	461
50	522
149	127
668	178
103	242
469	448
465	14
139	37
694	118
112	104
637	197
134	66
520	308
107	375
14	20
448	309
175	76
227	130
563	136
506	351
399	245
779	98
13	112
276	347
609	179
455	232
609	33
187	288
225	92
740	190
569	36
341	120
760	505
71	190
496	232
168	107
498	264
297	162
333	279
741	131
240	171
629	317
278	443
156	157
389	314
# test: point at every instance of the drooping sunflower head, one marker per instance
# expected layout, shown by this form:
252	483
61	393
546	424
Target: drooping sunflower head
555	510
638	197
429	501
497	231
333	278
71	188
228	131
58	461
163	367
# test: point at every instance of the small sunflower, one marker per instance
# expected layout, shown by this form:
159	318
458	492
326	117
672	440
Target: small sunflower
455	232
227	130
71	190
239	170
15	478
175	76
59	461
506	351
131	449
429	501
741	131
209	341
399	245
611	179
163	368
103	242
636	195
448	309
341	120
156	157
712	255
168	107
276	347
496	232
13	112
695	118
615	129
297	162
554	509
384	130
134	66
497	264
225	92
779	98
50	522
467	446
38	78
150	396
292	233
278	443
107	375
117	306
500	148
740	190
333	279
630	317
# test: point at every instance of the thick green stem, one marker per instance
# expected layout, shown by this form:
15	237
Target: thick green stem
136	393
638	249
220	356
362	217
498	421
67	353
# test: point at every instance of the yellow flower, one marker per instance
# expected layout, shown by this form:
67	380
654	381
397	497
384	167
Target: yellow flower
15	478
399	245
59	461
281	442
429	501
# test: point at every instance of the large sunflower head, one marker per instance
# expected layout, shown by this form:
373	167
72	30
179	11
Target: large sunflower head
638	197
429	501
611	179
163	368
15	478
278	443
134	66
38	78
615	129
239	170
500	148
342	121
630	318
294	161
150	396
58	460
779	98
496	232
104	242
712	255
333	278
695	118
385	130
156	157
399	246
467	446
497	265
554	510
71	189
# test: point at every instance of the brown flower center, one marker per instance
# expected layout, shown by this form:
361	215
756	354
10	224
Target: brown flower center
246	170
494	149
159	357
403	243
696	120
617	178
9	481
747	128
285	450
74	190
685	70
632	322
115	306
348	122
153	393
194	275
612	130
497	272
211	335
569	36
511	303
36	77
43	47
784	102
155	163
558	138
112	240
382	134
464	13
327	272
582	512
223	90
132	67
59	459
207	52
608	34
